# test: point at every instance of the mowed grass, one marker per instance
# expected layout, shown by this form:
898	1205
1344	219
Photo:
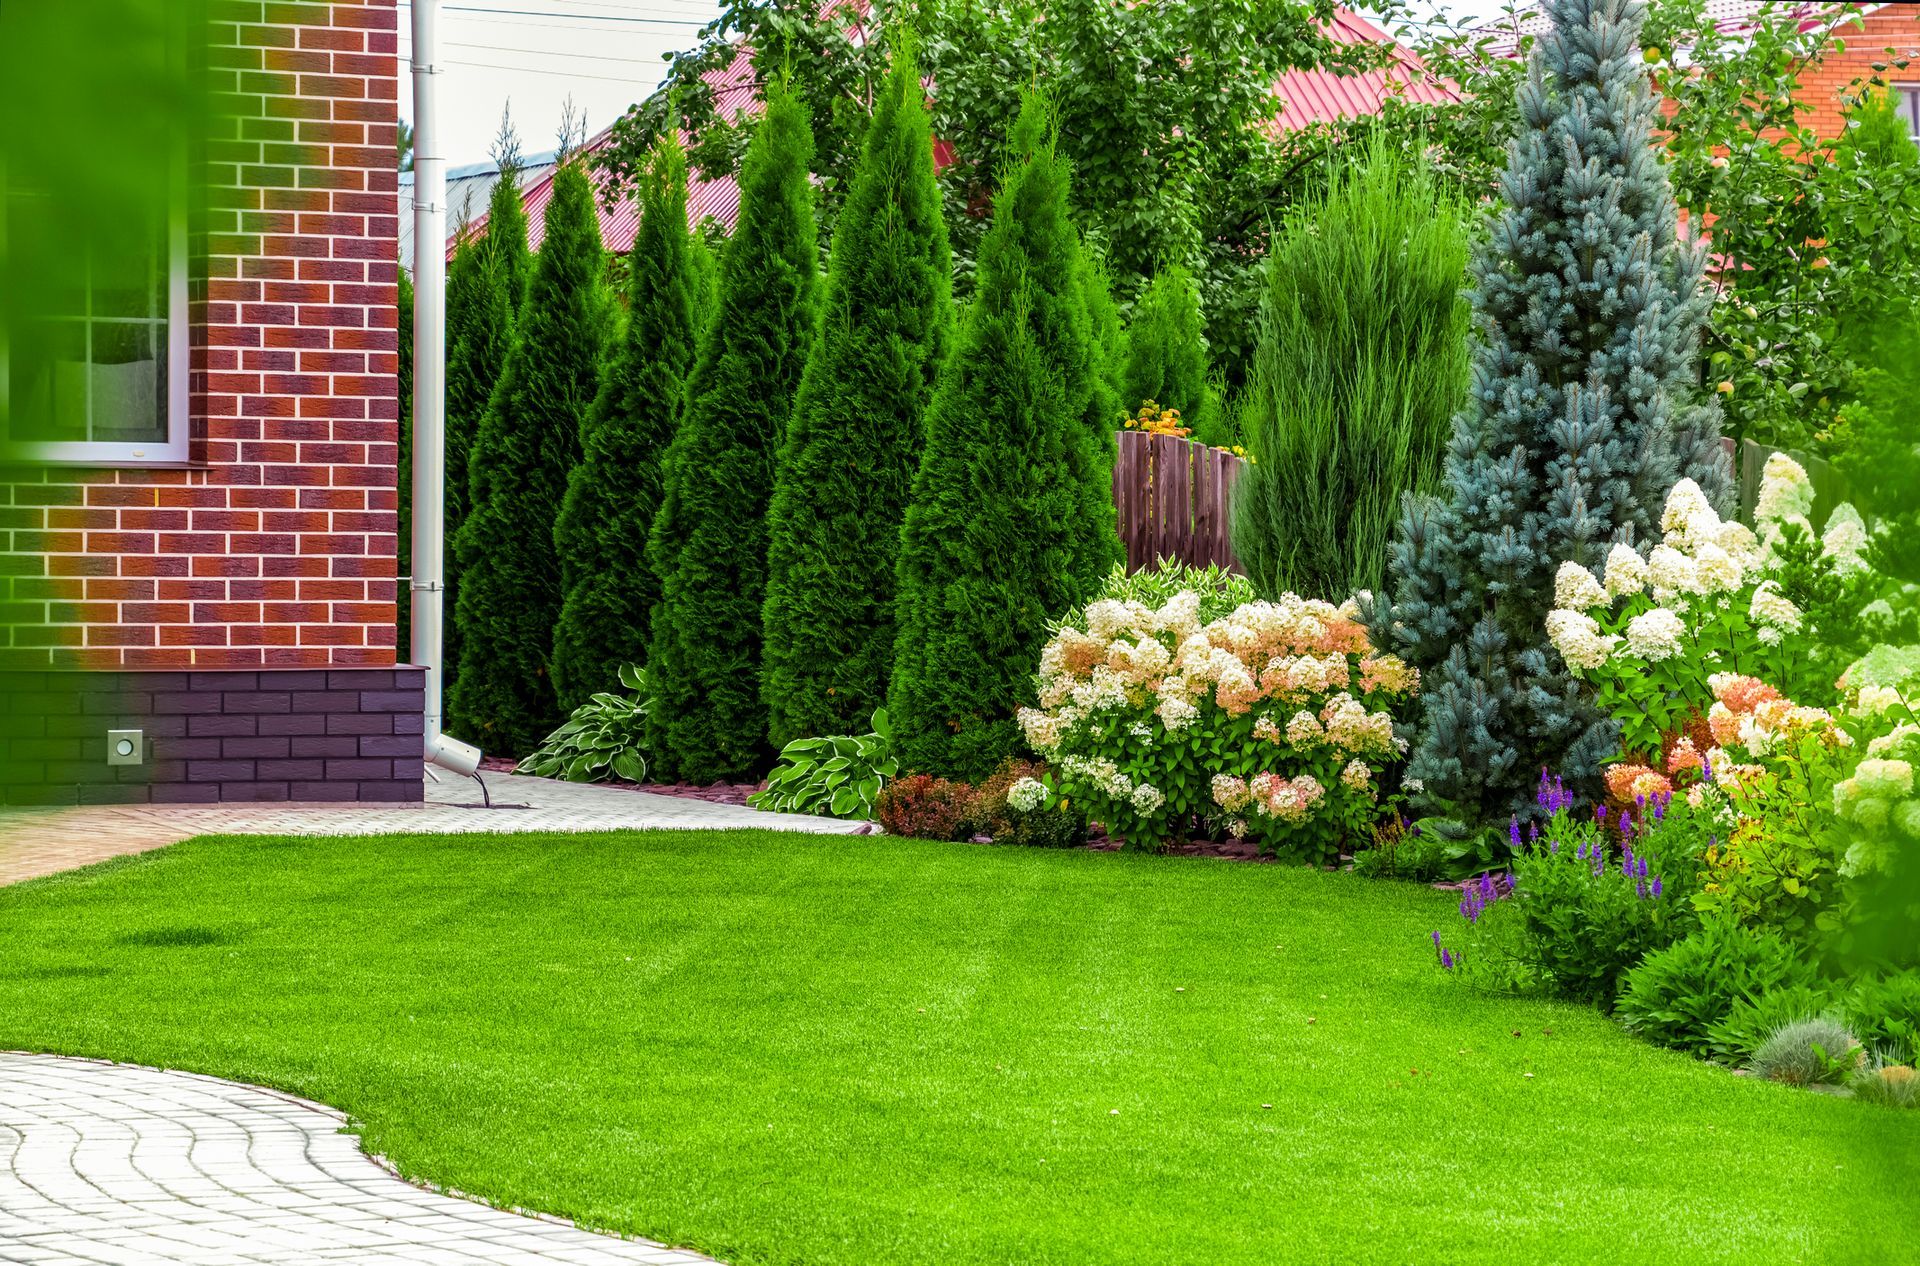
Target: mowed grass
797	1049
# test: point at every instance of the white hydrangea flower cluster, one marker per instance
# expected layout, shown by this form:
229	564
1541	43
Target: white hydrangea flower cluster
1656	634
1027	794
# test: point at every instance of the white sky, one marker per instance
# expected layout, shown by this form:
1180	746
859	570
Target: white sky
534	54
605	54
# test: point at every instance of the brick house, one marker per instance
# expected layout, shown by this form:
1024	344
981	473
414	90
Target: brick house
204	543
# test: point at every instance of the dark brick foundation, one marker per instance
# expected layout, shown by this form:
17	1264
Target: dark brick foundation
212	736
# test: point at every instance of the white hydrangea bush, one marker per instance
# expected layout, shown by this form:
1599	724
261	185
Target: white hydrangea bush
1274	722
1650	631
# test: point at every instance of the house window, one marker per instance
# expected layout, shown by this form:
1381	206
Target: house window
94	328
1907	98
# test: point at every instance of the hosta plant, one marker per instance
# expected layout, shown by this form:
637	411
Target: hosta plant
836	776
1273	722
604	738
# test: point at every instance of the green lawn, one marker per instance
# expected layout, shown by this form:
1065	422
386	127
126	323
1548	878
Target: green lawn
831	1049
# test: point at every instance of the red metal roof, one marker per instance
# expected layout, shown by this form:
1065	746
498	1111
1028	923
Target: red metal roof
1307	96
1321	96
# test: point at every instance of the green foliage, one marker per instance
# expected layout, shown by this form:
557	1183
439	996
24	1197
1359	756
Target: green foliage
605	737
846	470
1812	1052
403	561
486	282
1734	1039
1361	362
709	541
510	588
613	494
1403	850
1582	414
1677	995
1011	521
1889	1085
1885	1011
1823	232
1014	807
839	776
1220	591
1166	355
1162	114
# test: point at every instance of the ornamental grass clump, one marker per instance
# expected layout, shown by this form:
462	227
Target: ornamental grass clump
1274	723
1812	1052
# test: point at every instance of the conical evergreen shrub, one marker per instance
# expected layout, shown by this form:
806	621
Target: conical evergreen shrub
708	547
486	281
853	444
1166	354
606	617
528	442
1011	521
1583	410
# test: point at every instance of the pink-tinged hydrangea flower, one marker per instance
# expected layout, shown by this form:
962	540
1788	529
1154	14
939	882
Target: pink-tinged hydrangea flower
1739	692
1684	758
1626	571
1303	730
1656	634
1230	793
1575	589
1388	674
1630	782
1724	724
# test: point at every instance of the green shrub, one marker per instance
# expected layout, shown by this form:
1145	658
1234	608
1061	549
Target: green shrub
1403	850
1585	410
616	489
1022	818
1166	355
1676	995
604	738
1012	517
854	441
838	776
1360	365
1885	1012
1889	1085
922	806
1734	1039
708	545
1807	1053
510	593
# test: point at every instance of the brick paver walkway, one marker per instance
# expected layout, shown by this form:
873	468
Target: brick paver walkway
42	843
109	1163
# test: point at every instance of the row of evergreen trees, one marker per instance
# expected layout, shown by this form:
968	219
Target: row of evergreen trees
794	498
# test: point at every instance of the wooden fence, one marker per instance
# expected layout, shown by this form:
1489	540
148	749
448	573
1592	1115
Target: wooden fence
1172	497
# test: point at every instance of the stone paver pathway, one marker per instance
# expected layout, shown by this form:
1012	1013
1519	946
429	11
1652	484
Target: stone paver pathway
110	1163
41	843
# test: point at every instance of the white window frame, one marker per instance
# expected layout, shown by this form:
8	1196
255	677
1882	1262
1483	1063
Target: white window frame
1906	97
173	450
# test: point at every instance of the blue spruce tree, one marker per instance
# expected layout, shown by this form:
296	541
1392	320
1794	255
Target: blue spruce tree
1584	410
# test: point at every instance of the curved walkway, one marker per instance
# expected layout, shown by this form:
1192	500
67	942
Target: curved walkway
112	1163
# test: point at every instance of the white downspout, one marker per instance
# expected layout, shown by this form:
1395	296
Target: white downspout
428	584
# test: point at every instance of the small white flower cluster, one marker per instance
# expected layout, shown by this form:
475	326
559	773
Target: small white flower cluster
1027	794
1656	634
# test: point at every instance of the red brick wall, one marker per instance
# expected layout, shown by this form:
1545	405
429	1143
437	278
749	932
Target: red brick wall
1895	26
275	547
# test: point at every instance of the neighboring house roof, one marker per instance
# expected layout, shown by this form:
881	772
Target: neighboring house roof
1731	17
468	189
1306	97
1321	96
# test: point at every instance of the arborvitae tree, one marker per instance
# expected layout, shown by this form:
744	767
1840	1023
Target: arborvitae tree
853	443
1011	522
615	490
709	541
486	281
1107	401
510	575
403	556
1360	366
1167	353
1584	409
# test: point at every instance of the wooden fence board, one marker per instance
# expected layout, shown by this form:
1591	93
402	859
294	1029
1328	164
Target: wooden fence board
1173	499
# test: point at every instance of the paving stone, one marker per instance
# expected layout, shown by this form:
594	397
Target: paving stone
44	842
116	1164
